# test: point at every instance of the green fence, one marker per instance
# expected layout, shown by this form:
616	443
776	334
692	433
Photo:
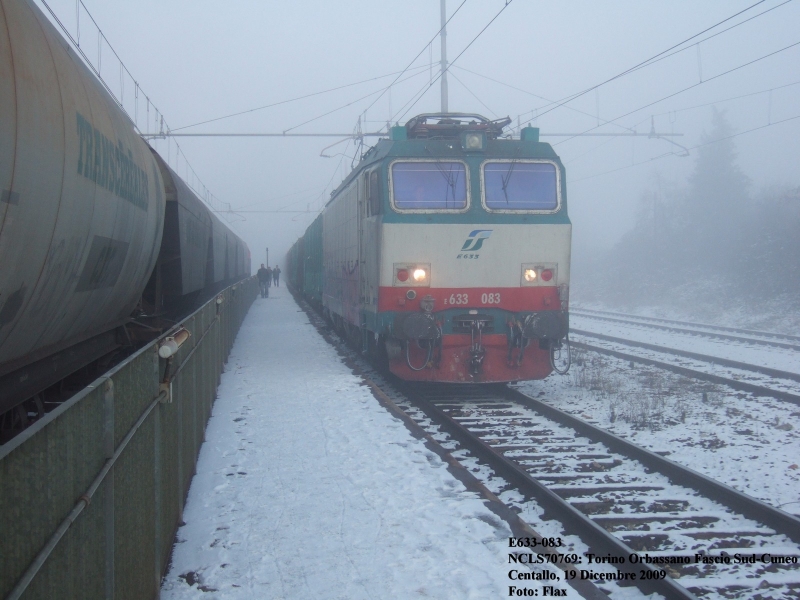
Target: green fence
92	494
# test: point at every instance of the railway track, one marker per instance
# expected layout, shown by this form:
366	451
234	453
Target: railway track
707	368
758	379
620	499
636	513
748	336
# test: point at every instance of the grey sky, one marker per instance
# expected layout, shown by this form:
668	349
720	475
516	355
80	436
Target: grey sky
199	60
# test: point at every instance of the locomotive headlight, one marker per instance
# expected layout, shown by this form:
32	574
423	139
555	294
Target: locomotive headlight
539	274
412	274
473	141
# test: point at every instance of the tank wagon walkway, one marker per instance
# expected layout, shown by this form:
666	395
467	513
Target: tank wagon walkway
307	488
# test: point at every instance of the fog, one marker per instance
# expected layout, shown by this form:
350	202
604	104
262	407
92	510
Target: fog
199	60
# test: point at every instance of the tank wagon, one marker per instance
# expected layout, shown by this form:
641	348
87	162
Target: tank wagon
446	252
90	216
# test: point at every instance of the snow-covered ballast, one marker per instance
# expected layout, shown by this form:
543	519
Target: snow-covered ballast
447	251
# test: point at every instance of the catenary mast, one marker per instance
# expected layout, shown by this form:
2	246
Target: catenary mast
444	55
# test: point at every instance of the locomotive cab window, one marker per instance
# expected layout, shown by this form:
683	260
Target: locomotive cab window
521	186
424	186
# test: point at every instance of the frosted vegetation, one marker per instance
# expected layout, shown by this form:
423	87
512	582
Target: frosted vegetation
713	246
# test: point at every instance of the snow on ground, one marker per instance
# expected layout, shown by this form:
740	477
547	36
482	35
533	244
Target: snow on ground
778	314
750	443
766	356
307	488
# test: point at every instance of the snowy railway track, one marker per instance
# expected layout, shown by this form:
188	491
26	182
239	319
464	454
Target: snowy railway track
746	377
610	498
749	336
620	499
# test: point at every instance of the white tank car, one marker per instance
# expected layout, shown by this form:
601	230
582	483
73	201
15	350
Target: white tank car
82	203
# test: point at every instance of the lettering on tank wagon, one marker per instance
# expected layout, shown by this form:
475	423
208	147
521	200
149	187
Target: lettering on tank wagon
110	165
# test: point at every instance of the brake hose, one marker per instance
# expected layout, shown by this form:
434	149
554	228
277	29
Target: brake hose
427	359
569	357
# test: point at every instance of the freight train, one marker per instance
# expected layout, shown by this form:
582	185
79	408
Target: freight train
94	226
446	253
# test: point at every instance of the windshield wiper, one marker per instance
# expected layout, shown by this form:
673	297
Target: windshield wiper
448	177
507	177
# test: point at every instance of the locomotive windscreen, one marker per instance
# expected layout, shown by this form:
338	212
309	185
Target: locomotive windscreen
429	185
516	185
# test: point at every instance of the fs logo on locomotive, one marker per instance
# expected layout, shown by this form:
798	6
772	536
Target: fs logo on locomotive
475	240
473	243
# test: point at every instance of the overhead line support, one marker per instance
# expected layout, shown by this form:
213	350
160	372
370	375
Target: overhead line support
383	134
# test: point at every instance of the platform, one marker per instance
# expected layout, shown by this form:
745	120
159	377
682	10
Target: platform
307	488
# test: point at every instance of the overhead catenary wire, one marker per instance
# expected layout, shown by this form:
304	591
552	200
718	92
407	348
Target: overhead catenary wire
87	60
179	151
464	85
747	64
666	154
684	109
697	44
653	58
589	151
295	99
204	193
572	108
283	209
418	96
428	45
325	114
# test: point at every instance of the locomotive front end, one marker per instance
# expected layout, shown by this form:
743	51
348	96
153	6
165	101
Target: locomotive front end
474	254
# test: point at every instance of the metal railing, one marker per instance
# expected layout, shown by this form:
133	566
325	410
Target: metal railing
92	494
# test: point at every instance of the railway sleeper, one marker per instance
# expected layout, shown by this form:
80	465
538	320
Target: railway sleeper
596	506
536	456
661	532
571	492
671	541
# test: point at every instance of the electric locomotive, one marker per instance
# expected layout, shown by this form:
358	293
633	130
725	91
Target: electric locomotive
446	252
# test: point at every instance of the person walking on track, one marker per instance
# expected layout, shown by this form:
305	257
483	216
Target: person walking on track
263	278
276	276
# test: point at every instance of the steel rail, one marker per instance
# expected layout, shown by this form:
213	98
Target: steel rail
748	506
739	503
518	526
785	336
676	328
725	362
742	386
571	518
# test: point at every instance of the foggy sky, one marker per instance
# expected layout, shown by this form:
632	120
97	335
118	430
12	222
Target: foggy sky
200	59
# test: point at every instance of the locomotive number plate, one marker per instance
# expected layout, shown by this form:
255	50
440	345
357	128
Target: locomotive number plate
457	299
461	299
